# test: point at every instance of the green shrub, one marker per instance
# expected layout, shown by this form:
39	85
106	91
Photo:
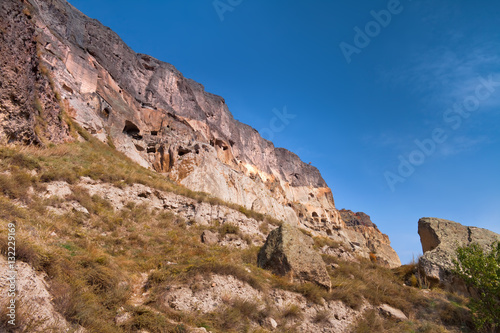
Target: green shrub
480	270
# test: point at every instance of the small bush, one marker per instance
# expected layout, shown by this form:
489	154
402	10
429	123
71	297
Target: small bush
251	213
312	292
453	314
16	185
229	228
59	174
480	270
18	159
370	322
264	227
248	309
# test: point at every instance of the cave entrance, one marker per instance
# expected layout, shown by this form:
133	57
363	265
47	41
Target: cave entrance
132	130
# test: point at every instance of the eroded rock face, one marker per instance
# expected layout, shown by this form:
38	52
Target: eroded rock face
35	311
440	239
218	292
366	238
29	106
289	252
157	117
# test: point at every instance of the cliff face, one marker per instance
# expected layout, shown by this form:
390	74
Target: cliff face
365	236
156	116
28	102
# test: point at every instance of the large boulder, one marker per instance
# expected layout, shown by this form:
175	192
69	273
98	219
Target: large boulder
289	252
440	239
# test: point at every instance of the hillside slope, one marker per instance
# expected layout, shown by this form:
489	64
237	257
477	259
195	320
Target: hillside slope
104	245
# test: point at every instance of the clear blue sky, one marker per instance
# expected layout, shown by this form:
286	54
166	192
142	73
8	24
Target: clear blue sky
417	78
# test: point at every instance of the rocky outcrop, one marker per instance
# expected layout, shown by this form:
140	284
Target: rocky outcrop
392	313
440	239
187	209
217	293
352	219
35	311
71	65
366	238
289	252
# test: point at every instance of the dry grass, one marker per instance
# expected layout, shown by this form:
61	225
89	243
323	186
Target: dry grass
320	242
292	311
321	316
143	318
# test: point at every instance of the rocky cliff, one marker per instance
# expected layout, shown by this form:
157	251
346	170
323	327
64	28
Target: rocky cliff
56	62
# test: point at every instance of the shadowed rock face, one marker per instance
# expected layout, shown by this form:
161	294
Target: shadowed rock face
157	117
440	238
289	252
28	102
352	219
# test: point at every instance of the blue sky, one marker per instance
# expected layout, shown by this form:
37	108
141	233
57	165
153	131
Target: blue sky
431	73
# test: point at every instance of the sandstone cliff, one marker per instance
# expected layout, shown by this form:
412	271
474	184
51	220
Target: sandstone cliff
365	236
55	59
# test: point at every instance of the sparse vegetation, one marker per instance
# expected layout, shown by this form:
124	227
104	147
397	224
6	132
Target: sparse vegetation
480	270
321	316
373	322
320	242
292	311
229	228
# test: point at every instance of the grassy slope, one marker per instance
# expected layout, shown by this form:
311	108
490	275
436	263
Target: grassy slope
88	256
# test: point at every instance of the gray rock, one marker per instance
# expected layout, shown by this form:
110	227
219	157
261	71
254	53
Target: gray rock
392	313
270	323
440	239
289	252
209	237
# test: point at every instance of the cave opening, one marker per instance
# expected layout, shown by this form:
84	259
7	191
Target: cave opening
132	130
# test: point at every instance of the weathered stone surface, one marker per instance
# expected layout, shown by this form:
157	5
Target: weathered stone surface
440	239
366	238
289	252
34	308
209	237
217	292
352	219
392	313
29	107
